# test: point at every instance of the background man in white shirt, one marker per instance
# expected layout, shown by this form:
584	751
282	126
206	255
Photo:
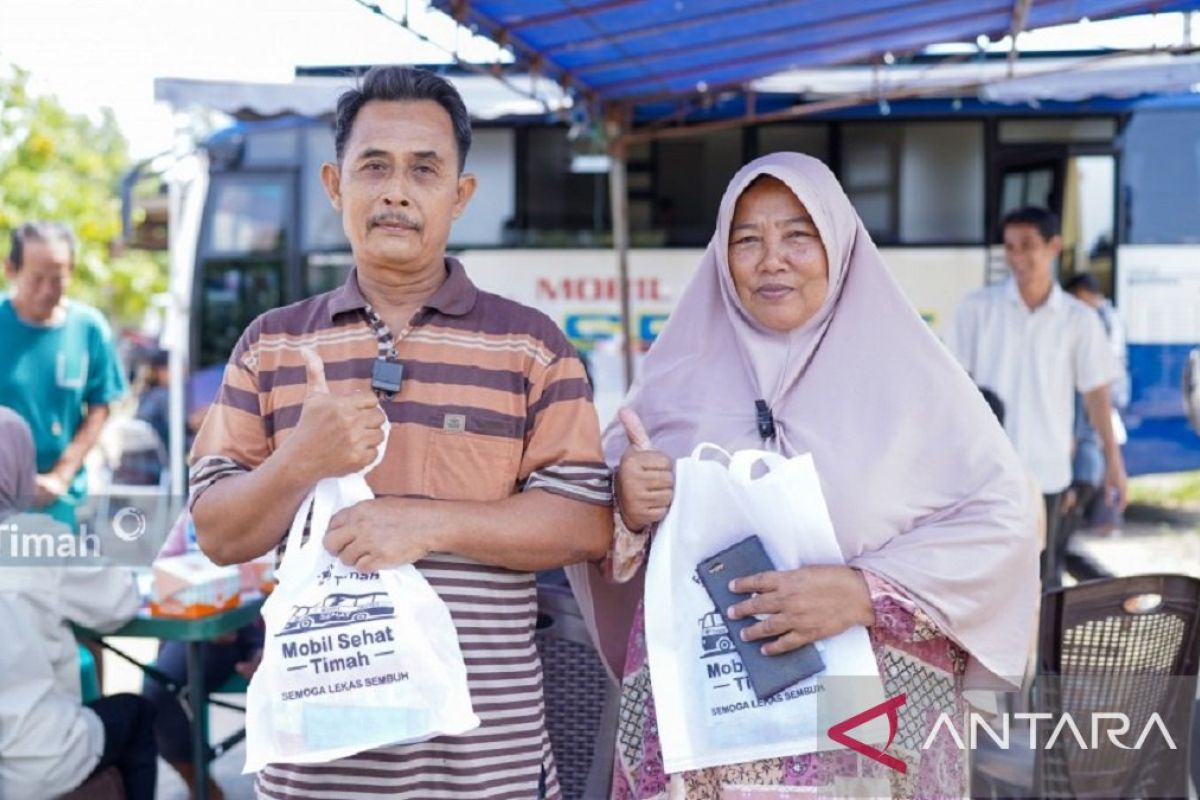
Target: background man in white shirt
1035	346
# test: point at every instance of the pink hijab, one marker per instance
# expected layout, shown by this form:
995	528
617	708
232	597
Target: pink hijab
922	485
17	463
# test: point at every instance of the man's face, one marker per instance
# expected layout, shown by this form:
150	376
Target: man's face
398	186
1029	256
42	279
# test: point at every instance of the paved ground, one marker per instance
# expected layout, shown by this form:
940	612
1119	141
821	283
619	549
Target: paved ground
1144	545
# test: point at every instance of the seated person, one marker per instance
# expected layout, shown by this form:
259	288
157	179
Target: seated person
237	652
50	741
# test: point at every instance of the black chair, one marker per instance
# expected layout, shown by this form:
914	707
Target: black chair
1113	645
581	701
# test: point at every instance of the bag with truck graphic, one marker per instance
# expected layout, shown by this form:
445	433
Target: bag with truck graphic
352	661
708	713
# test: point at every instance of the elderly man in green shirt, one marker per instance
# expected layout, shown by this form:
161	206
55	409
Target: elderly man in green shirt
58	366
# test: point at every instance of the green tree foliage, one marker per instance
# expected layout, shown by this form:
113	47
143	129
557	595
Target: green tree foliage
67	168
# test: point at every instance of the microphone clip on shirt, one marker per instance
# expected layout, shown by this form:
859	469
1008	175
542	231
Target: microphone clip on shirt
386	376
766	420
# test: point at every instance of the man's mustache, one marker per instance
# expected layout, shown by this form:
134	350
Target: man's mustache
395	219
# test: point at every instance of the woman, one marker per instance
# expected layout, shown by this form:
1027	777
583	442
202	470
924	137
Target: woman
792	336
50	741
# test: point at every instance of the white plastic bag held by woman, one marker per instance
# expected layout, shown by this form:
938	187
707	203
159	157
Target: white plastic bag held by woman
708	714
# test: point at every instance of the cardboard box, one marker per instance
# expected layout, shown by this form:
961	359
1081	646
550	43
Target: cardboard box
191	586
258	576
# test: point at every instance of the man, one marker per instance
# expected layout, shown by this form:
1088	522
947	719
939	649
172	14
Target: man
59	369
155	401
1086	289
1035	346
1084	506
493	468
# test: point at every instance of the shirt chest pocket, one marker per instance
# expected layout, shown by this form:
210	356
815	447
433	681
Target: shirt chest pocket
71	368
470	466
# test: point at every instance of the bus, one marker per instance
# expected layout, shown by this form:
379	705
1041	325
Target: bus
251	227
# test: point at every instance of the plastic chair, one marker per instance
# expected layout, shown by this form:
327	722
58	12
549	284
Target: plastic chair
581	702
1113	645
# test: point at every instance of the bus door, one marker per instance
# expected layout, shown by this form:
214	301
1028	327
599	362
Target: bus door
1076	179
243	267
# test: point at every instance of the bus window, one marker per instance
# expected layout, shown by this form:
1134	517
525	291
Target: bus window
1028	186
240	269
1161	173
232	294
246	216
916	183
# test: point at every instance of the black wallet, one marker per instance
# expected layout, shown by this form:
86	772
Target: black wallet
768	675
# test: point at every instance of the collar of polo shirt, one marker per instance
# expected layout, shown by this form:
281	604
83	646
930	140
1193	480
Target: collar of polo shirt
455	297
1054	302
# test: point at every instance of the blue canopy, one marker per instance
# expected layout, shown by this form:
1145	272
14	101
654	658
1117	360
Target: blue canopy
637	52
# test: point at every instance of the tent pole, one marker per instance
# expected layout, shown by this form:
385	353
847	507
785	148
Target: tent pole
618	197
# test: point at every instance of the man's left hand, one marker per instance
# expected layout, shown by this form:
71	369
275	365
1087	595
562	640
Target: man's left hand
384	532
802	605
50	488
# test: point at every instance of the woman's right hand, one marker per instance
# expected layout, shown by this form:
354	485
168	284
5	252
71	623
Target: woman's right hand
645	482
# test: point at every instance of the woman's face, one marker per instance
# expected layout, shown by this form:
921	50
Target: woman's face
776	257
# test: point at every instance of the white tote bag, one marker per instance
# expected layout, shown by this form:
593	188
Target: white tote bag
352	661
707	713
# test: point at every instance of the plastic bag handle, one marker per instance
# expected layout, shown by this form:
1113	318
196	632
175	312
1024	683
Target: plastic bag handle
741	465
704	447
324	498
320	501
296	533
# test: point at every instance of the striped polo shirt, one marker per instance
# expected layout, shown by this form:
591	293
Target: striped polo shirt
494	401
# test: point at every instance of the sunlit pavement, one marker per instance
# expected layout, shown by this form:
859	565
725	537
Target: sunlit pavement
1148	543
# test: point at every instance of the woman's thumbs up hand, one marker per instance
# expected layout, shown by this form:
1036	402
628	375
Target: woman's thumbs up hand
645	482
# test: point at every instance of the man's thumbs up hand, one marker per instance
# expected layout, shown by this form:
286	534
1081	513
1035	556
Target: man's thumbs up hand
336	434
645	483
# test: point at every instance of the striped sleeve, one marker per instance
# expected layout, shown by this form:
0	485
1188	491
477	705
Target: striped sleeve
206	471
562	440
232	438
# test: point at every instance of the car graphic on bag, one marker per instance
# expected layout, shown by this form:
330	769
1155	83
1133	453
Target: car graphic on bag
338	610
714	636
